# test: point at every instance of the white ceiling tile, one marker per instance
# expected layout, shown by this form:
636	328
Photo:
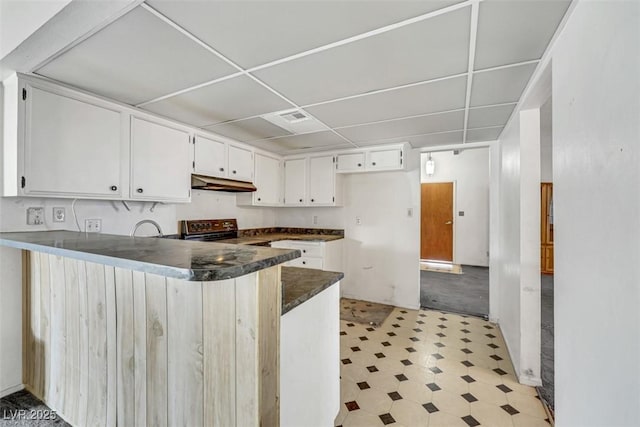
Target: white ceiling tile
256	32
479	135
489	116
249	129
308	140
418	141
403	127
425	50
427	98
515	31
230	99
500	86
135	59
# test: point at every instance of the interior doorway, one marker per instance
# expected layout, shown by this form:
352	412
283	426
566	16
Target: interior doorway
436	222
454	234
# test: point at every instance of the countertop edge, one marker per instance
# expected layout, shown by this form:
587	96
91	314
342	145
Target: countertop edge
158	269
336	277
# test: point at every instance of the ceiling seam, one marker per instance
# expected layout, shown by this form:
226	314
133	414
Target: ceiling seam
188	34
473	35
365	35
88	34
342	42
501	104
512	65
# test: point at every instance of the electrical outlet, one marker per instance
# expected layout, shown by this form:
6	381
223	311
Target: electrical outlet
93	225
315	220
358	220
58	214
35	216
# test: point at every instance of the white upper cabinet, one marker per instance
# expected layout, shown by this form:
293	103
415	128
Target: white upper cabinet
267	180
380	158
352	162
210	157
322	181
295	182
160	162
72	148
240	164
384	159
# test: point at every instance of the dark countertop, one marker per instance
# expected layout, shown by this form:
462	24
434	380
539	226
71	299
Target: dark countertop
302	284
187	260
273	237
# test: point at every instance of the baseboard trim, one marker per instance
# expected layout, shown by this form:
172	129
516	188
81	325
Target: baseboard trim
10	390
358	297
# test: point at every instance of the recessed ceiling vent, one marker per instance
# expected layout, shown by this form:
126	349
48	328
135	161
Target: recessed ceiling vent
295	116
295	121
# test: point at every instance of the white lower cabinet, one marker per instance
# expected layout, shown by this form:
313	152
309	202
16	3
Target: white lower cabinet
316	255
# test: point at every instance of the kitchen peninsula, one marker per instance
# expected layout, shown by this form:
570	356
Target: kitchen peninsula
144	331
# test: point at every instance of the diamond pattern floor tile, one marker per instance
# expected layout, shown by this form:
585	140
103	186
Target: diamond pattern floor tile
429	368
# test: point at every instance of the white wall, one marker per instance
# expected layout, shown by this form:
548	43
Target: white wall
218	204
546	128
19	19
596	171
470	171
519	260
382	254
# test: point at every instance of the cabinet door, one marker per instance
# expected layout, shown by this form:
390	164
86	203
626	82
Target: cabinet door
267	180
210	157
353	162
160	162
385	159
321	181
72	148
295	182
240	164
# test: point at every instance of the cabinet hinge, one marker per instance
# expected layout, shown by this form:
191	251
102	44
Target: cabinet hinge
193	164
334	199
24	94
400	159
334	159
23	182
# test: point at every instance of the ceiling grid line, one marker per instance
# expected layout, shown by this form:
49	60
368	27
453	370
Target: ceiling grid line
237	67
232	84
473	34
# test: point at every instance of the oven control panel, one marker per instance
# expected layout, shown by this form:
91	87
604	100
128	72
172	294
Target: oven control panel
204	226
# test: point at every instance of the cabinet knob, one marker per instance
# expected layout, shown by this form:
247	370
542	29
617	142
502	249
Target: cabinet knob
359	165
259	199
300	200
221	169
313	200
304	262
139	190
373	163
233	171
304	251
114	188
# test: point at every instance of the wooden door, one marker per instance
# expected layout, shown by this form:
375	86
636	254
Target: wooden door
436	240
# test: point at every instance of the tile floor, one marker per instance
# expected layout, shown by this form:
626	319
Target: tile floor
428	368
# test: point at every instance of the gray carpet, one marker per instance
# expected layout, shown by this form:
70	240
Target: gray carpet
468	293
546	338
22	409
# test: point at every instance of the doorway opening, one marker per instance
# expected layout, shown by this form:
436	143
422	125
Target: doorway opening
547	370
454	231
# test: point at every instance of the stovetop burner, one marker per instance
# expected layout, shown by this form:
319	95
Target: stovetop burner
209	229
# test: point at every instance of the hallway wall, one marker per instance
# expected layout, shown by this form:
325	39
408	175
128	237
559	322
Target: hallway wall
596	149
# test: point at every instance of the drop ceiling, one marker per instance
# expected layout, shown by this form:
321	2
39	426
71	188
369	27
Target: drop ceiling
424	72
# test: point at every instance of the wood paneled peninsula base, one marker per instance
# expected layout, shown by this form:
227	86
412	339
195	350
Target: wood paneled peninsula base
109	345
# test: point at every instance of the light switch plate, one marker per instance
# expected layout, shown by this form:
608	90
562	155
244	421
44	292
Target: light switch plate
35	216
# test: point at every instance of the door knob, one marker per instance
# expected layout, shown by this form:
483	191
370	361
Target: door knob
449	222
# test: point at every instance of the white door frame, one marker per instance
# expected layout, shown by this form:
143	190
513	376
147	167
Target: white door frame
494	214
